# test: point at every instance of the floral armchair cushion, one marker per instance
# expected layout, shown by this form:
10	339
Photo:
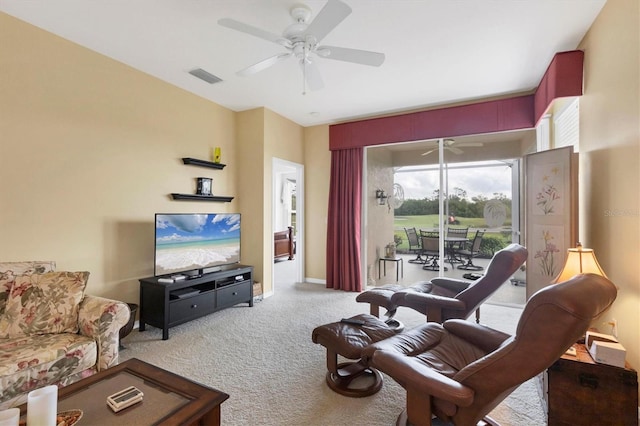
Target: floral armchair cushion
5	288
10	270
43	304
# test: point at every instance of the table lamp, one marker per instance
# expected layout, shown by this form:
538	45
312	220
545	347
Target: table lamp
579	261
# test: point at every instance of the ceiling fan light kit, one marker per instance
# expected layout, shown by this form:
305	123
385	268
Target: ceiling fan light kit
302	39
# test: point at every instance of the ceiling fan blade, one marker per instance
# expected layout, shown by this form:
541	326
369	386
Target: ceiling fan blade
266	63
454	150
311	74
363	57
429	152
257	32
469	144
328	18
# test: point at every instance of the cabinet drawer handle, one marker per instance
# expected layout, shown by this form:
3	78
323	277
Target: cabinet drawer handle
194	306
588	381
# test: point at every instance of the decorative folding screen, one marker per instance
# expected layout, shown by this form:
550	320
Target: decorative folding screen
551	213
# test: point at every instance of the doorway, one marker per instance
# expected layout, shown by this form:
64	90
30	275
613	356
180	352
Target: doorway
288	211
445	185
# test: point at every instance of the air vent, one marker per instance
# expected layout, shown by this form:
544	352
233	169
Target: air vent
203	75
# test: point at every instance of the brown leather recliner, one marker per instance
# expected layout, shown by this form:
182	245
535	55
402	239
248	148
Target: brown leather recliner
459	371
446	298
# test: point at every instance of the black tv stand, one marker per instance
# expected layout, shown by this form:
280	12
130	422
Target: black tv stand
165	305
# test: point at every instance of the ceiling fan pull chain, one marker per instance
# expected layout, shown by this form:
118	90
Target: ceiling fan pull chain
304	79
304	69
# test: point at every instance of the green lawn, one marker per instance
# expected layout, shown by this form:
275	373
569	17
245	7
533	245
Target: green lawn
431	221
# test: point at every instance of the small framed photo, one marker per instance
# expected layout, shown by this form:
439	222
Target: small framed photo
204	186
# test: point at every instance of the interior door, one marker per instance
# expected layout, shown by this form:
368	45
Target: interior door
288	210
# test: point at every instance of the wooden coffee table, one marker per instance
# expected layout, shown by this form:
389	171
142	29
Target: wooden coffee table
169	399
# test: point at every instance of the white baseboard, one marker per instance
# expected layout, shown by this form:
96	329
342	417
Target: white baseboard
315	281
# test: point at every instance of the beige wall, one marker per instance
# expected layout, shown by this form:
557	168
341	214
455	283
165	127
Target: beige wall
610	160
317	166
90	150
261	135
283	139
250	147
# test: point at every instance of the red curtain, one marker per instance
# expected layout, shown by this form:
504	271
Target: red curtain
343	227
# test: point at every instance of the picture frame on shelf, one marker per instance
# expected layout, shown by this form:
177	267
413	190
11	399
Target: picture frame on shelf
204	186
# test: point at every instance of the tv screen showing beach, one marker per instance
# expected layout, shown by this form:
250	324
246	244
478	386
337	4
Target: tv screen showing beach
186	242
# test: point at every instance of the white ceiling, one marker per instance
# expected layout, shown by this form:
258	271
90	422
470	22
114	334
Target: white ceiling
437	51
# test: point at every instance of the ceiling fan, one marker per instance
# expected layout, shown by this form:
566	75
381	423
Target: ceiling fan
449	145
301	40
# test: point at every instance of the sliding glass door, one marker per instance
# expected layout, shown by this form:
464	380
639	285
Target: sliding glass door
476	196
455	192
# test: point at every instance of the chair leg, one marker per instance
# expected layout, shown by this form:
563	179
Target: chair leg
434	265
478	316
418	411
469	266
374	310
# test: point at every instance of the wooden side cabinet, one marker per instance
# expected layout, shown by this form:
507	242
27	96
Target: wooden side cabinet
579	391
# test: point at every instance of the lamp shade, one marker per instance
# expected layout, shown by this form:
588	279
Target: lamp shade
579	261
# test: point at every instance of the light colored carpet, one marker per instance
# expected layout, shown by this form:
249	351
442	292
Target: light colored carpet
263	357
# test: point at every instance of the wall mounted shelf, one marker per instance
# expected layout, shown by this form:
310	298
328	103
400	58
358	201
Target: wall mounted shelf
195	197
203	163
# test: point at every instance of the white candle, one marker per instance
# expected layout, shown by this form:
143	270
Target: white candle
10	417
42	406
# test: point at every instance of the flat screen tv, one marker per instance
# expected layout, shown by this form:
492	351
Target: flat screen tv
196	243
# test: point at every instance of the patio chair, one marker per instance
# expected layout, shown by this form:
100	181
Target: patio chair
415	246
470	251
431	250
457	232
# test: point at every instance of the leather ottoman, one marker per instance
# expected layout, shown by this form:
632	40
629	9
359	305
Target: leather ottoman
348	338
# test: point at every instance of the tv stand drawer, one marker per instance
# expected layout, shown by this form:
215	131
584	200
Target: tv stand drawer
234	294
193	307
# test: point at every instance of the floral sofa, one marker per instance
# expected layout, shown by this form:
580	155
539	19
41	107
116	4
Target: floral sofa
50	331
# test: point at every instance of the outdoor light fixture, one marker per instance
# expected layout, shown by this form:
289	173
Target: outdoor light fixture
579	261
381	197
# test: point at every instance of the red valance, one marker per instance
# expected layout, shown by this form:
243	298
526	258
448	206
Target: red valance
563	78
